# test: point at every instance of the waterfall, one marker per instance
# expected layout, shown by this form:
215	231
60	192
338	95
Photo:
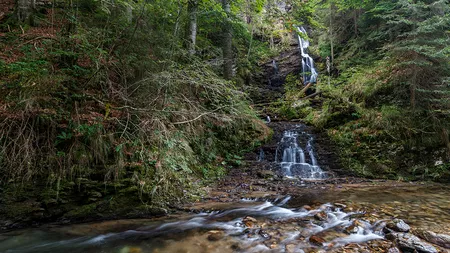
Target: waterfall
293	159
275	67
309	73
261	155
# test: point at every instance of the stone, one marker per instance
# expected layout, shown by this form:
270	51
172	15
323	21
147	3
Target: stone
249	221
266	174
290	248
339	205
442	240
264	234
128	249
409	243
322	216
316	240
393	250
398	225
215	235
307	208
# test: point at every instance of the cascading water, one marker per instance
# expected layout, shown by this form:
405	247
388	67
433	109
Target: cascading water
261	155
275	67
242	229
293	159
309	73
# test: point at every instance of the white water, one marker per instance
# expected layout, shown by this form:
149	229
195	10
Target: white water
245	225
293	161
309	73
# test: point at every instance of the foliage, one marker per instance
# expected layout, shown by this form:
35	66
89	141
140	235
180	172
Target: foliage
105	92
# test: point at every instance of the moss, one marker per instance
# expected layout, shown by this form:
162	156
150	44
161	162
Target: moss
83	211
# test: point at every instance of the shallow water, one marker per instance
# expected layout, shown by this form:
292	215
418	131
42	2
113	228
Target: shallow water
344	215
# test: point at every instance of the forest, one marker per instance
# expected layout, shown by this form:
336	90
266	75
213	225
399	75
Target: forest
130	108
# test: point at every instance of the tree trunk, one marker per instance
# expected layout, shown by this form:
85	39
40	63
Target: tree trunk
331	35
192	27
227	42
24	10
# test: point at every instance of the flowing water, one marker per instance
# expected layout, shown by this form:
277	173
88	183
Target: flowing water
292	157
288	224
329	216
309	73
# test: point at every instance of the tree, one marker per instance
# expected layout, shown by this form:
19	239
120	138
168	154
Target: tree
420	49
25	9
227	42
421	58
192	25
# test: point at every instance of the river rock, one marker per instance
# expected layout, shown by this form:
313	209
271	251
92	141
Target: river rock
340	205
393	250
249	221
398	225
128	249
264	234
316	240
266	174
409	243
442	240
322	216
215	235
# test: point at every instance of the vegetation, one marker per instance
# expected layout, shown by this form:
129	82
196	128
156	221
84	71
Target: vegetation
122	101
385	100
114	103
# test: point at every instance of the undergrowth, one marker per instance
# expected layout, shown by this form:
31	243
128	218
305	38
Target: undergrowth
96	100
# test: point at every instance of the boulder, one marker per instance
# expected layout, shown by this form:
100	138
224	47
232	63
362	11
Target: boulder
442	240
409	243
215	235
398	225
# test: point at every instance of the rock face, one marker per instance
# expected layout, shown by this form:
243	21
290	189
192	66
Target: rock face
273	74
442	240
409	243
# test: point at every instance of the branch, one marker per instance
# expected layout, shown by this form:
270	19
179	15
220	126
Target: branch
198	117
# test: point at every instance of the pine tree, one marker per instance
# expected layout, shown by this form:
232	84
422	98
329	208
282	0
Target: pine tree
420	51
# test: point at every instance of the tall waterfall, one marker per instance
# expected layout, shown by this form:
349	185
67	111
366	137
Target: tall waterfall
292	157
309	73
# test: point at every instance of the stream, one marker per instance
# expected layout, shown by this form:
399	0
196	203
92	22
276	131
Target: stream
352	218
313	212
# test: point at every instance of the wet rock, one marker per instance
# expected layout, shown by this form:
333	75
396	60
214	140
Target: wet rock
264	234
290	248
340	205
398	225
266	174
322	216
353	228
409	243
316	240
442	240
307	208
215	235
128	249
393	250
249	221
